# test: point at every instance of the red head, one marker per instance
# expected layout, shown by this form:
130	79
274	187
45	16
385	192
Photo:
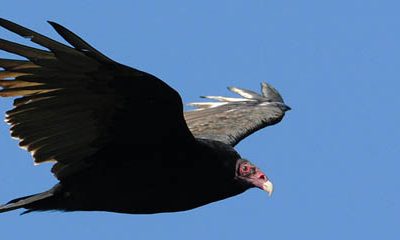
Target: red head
253	176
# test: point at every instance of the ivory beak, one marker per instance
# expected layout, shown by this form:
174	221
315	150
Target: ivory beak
268	187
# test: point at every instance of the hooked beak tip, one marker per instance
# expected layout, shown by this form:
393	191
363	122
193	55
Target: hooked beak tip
268	187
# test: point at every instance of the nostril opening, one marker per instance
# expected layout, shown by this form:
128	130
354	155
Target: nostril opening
262	176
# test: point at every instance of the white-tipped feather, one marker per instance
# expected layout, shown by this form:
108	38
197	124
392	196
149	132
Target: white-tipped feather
204	105
269	96
265	103
226	99
16	138
247	95
241	92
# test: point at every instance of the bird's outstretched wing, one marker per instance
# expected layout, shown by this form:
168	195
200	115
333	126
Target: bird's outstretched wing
229	120
74	101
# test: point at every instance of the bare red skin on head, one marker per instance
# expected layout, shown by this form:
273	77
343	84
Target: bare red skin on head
251	174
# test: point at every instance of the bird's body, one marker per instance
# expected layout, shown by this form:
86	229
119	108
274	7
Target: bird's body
162	188
119	137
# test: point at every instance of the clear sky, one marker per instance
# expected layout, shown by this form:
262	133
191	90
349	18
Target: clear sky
333	159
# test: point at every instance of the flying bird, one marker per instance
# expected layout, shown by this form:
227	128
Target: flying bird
119	138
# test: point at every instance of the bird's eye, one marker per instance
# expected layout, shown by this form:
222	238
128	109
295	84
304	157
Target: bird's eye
245	169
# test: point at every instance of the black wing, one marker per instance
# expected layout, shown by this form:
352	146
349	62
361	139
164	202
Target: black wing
74	101
229	120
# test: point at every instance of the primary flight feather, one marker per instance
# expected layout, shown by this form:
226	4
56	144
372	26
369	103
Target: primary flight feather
118	137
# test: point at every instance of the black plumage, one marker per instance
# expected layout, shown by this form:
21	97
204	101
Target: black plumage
118	137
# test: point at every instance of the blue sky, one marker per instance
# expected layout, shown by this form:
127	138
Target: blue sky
333	159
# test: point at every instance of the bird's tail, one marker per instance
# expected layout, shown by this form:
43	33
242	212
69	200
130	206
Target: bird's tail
31	203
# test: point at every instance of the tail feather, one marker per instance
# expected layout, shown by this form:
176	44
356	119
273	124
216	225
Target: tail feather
27	202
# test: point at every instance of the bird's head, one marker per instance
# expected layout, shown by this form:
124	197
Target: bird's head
252	176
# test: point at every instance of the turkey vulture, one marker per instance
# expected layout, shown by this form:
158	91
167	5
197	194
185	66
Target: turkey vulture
118	137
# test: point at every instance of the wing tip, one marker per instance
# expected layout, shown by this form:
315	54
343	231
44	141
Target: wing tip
4	22
55	25
268	94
